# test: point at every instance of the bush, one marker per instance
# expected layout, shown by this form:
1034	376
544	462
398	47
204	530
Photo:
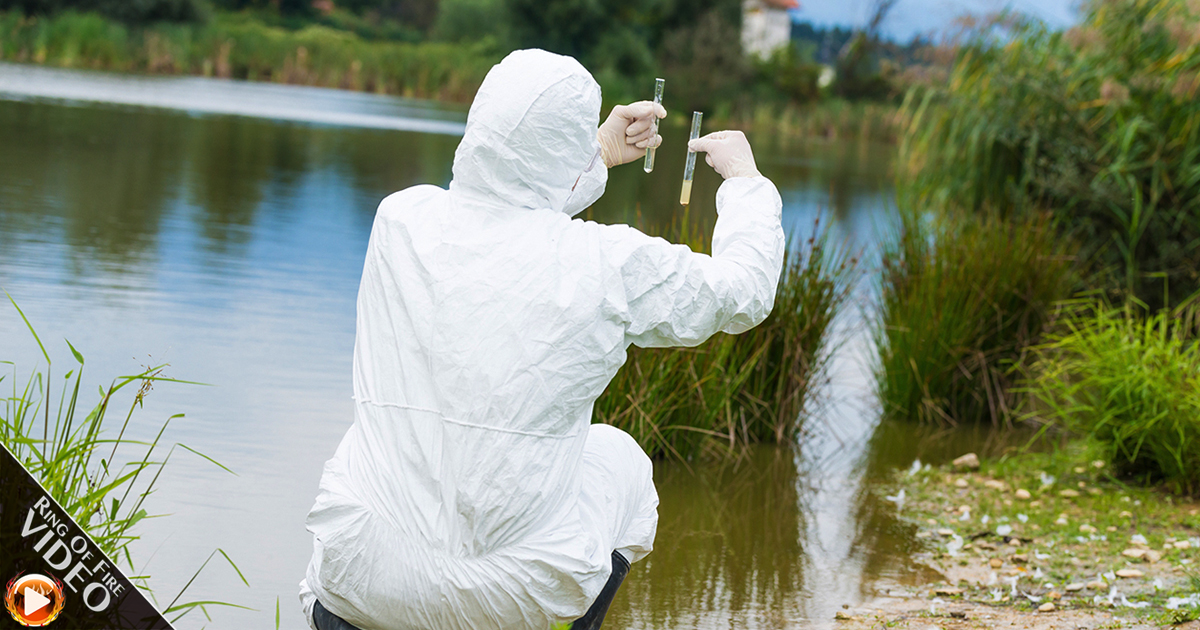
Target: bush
1128	382
241	46
1100	124
124	10
471	20
703	63
793	77
734	390
962	298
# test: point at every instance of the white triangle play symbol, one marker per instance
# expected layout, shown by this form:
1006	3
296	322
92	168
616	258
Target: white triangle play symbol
34	601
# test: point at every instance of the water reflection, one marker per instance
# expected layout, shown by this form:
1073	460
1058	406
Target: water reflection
109	178
231	246
728	548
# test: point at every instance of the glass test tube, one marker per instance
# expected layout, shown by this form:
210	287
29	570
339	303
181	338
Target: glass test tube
685	195
658	91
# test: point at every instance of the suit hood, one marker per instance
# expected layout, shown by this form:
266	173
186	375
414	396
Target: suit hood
530	133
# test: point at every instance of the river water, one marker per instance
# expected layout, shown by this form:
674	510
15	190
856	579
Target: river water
220	227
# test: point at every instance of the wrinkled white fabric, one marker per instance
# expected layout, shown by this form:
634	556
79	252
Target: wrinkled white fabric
588	188
471	491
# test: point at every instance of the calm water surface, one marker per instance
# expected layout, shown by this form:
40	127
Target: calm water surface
220	228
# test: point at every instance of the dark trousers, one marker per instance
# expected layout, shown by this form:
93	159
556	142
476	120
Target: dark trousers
591	620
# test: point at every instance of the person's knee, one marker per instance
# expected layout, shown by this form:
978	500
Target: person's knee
618	448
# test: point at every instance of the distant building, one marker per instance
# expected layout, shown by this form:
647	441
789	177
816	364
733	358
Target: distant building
766	25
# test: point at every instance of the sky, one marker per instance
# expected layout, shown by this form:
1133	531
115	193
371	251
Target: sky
912	17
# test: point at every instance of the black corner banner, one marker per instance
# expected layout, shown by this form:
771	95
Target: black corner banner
52	574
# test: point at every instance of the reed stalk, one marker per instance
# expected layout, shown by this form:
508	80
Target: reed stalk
961	299
100	479
736	390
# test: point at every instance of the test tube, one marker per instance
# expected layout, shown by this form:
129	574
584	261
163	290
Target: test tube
658	90
685	195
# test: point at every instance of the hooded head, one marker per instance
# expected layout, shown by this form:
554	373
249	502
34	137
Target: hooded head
530	140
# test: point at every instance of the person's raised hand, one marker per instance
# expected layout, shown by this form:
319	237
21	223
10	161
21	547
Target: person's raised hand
629	131
728	152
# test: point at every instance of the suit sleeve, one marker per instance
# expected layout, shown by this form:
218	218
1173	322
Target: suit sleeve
676	297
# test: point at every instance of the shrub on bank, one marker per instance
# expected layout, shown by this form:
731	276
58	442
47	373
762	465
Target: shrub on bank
1131	384
124	10
962	298
735	390
241	47
1100	125
449	68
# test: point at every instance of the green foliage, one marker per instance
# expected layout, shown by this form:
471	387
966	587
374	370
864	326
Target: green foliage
859	72
241	46
471	21
695	44
1100	124
831	119
124	10
609	38
73	455
703	63
735	390
1128	382
961	300
71	452
698	53
421	14
301	8
793	77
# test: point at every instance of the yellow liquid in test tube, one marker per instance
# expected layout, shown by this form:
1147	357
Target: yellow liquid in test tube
685	195
689	166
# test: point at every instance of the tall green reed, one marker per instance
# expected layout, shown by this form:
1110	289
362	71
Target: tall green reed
831	119
961	299
735	390
101	480
1100	125
1129	383
240	46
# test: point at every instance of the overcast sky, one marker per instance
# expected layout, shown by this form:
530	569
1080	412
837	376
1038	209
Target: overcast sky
910	17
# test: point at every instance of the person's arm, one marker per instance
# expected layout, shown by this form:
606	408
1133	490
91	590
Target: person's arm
676	297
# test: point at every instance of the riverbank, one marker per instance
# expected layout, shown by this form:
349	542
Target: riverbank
913	614
1038	536
240	46
236	46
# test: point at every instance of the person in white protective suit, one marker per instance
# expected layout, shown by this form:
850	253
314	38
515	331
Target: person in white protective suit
472	490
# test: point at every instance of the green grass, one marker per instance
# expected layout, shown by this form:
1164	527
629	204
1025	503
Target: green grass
961	299
242	47
735	390
1099	125
1130	383
831	119
89	464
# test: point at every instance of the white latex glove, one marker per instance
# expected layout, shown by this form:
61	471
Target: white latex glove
628	132
728	152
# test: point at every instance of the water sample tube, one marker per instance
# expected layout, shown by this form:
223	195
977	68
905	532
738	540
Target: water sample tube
685	195
658	90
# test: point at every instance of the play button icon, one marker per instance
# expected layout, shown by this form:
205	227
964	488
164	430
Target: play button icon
34	601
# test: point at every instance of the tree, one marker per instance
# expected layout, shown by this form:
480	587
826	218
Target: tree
626	42
420	14
858	65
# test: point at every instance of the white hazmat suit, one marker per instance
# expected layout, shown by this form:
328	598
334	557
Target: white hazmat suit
472	490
